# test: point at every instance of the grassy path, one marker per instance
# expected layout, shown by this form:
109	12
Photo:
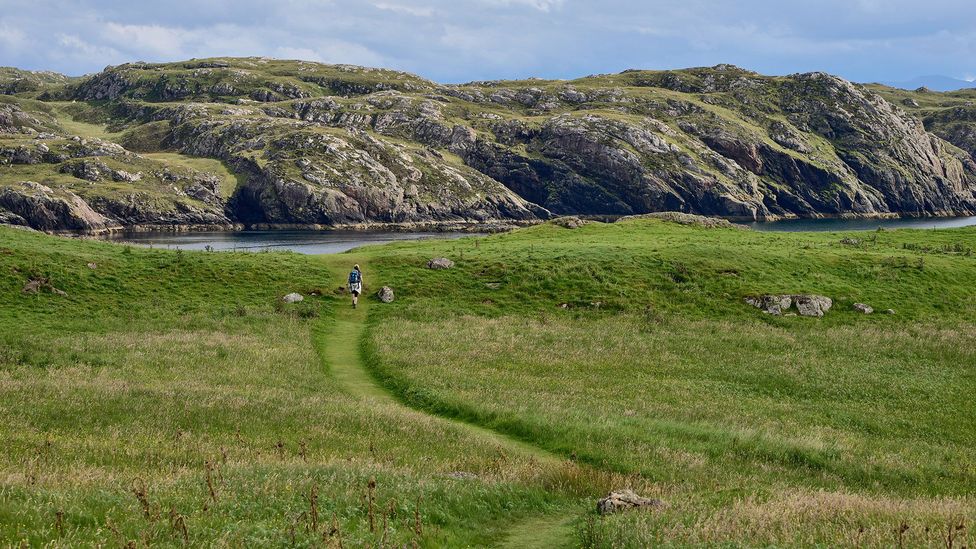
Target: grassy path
338	339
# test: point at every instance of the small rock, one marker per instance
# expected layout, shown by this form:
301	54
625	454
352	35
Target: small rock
889	311
462	475
386	294
440	263
850	241
93	266
622	500
292	298
863	308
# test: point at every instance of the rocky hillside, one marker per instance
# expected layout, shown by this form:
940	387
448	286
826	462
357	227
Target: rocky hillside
299	143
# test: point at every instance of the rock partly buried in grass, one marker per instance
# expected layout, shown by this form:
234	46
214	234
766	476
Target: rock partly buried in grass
771	304
569	222
850	242
386	294
889	311
439	263
34	285
682	218
806	304
293	298
863	308
623	500
812	305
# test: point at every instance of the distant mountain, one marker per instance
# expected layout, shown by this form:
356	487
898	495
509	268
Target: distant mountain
295	143
934	83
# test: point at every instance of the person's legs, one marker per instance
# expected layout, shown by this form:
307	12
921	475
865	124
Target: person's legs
355	299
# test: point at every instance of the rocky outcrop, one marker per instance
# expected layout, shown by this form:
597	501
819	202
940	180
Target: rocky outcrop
43	208
806	304
315	144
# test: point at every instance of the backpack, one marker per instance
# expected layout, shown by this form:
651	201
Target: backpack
355	277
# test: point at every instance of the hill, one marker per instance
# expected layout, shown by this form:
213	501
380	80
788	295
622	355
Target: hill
168	398
330	145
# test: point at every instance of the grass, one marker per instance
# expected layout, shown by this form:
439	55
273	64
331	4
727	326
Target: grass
169	397
628	348
172	398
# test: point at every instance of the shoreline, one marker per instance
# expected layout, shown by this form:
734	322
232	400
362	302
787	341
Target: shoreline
493	226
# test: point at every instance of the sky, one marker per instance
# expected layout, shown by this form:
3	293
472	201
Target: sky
462	40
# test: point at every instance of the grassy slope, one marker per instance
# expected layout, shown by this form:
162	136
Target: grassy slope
157	363
757	429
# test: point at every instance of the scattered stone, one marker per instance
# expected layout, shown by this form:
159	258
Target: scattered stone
439	263
863	308
563	305
386	294
93	266
806	305
493	285
293	298
889	311
623	500
569	222
850	241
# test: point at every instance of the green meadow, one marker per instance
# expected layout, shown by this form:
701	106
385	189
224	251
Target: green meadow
171	398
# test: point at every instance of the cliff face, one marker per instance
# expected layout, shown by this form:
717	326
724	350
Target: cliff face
322	144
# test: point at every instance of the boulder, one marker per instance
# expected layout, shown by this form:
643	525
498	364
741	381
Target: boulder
623	500
385	294
812	305
293	298
771	304
863	308
439	263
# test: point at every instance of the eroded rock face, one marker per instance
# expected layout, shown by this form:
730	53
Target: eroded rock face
336	144
46	209
624	500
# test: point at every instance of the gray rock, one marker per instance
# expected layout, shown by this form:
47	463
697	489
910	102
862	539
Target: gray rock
812	305
806	305
863	308
623	500
771	304
850	241
386	294
889	311
439	263
292	298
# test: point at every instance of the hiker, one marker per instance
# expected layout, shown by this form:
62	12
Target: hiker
355	284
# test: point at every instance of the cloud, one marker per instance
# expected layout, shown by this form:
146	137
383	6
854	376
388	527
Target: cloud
461	40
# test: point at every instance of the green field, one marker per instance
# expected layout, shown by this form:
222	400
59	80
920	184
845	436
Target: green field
171	398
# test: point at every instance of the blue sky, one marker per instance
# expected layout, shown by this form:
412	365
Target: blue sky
462	40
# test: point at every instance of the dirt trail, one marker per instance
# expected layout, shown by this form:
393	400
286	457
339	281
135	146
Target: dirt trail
338	340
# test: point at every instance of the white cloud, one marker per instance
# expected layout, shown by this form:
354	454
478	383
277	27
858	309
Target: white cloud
415	11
